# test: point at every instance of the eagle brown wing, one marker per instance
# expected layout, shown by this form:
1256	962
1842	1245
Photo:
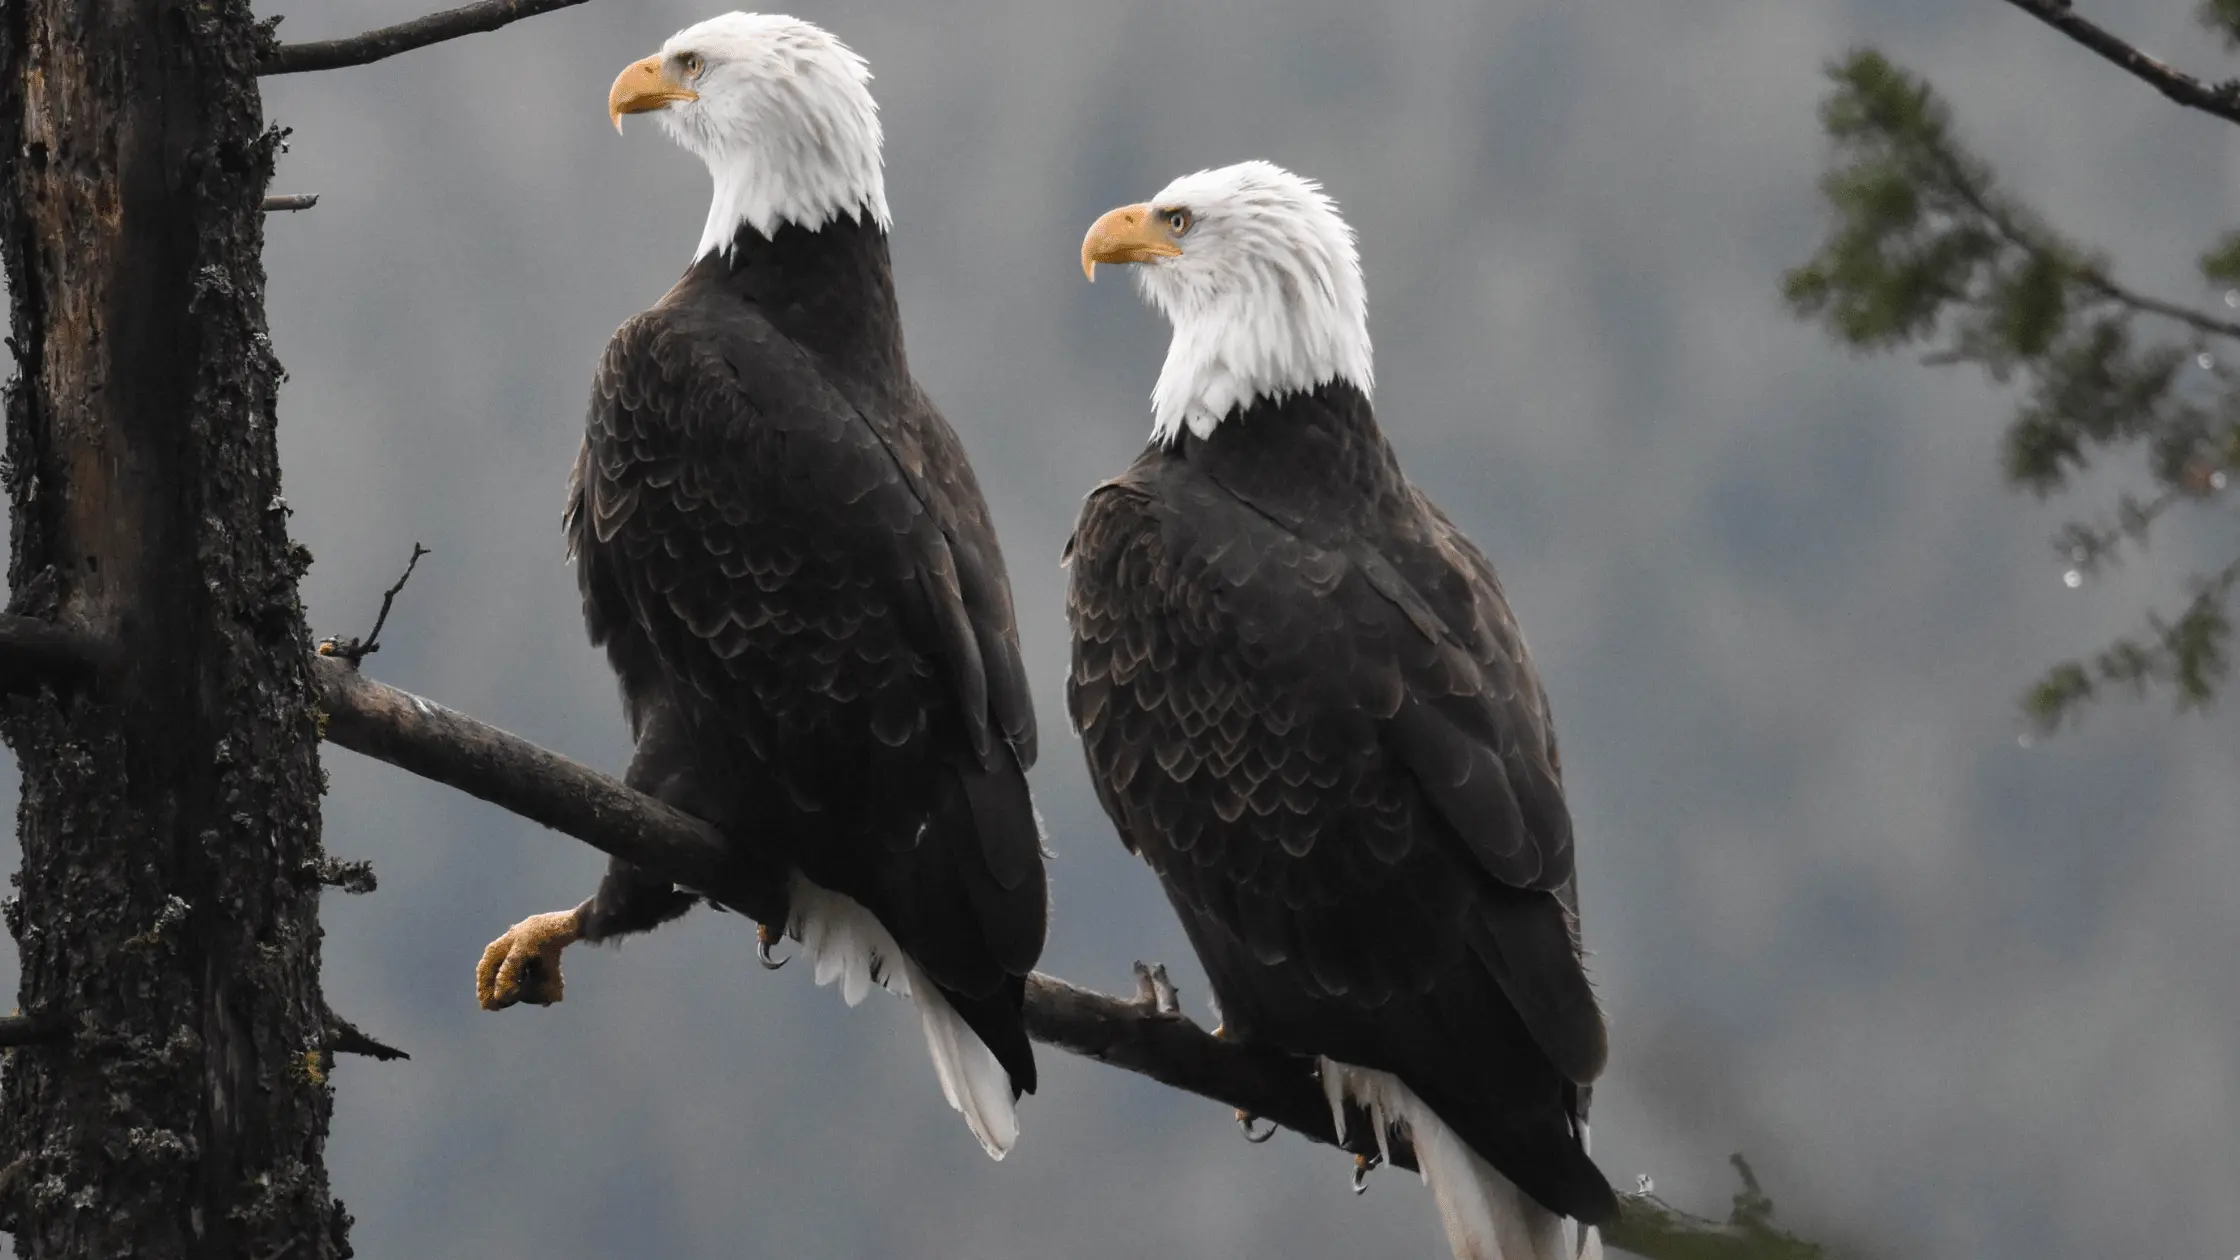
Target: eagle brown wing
1337	757
810	577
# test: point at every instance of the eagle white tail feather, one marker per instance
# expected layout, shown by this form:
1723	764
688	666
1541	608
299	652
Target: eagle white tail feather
846	942
1486	1216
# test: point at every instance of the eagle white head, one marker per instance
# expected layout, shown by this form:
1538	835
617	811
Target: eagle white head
778	109
1258	274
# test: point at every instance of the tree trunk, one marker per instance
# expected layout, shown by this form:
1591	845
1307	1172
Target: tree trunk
168	907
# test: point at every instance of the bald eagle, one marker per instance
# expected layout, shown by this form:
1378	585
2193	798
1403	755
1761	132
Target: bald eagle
1307	707
786	556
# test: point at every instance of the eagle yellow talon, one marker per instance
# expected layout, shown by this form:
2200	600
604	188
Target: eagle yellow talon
524	964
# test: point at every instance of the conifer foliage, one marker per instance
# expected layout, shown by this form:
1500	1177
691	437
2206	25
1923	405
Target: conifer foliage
1925	249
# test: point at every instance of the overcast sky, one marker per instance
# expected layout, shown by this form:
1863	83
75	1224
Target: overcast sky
1954	996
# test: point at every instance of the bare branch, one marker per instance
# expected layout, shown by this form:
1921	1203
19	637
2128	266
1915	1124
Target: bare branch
343	1037
290	201
2221	99
1649	1226
353	877
33	651
1146	1035
356	651
510	772
1172	1050
32	1030
358	50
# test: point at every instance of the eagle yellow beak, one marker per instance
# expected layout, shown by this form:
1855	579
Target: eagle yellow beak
1131	234
644	87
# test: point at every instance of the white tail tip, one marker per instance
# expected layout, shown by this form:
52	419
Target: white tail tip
1485	1215
847	943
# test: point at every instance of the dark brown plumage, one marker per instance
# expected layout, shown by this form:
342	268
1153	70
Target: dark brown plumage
786	556
1306	705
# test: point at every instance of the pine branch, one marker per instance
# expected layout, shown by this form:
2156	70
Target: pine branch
2222	99
358	50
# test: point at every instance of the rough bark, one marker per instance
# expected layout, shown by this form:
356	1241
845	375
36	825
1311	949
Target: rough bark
168	899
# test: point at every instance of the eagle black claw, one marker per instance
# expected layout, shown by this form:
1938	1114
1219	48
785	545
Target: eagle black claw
1245	1121
1363	1165
764	938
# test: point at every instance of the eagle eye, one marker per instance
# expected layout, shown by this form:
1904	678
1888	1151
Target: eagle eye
691	64
1178	221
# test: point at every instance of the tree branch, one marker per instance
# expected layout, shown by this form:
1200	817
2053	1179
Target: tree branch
32	1030
356	651
290	201
1145	1034
510	772
2222	99
344	1037
358	50
33	652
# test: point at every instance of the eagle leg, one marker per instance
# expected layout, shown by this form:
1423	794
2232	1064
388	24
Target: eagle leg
766	936
1245	1119
524	964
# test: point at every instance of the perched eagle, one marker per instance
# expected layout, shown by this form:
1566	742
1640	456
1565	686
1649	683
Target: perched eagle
1306	705
787	558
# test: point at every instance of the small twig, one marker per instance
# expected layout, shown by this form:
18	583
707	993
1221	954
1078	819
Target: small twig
34	652
356	651
2223	99
2186	315
358	50
290	201
353	877
343	1037
1963	184
33	1030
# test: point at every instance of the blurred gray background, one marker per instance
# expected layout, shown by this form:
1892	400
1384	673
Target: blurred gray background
1954	995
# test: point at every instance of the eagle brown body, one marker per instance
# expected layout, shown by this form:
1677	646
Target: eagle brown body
786	556
1306	705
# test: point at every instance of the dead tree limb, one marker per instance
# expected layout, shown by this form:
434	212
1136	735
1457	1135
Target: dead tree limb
1145	1034
35	652
344	1037
510	772
2221	99
32	1030
355	651
290	201
359	50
